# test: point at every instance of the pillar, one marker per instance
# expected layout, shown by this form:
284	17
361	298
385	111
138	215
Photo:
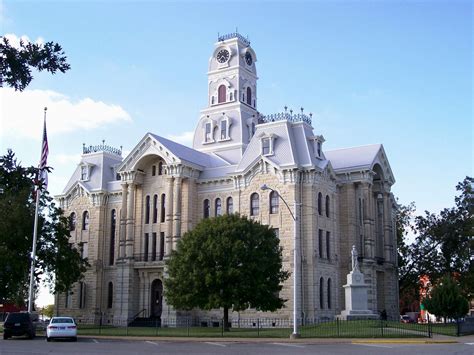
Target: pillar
169	217
177	196
123	222
130	221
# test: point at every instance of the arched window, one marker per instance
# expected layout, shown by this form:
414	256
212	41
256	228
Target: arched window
82	294
230	205
113	224
163	208
327	206
206	208
328	245
254	204
72	221
321	293
153	170
249	96
221	94
85	221
155	208
329	293
160	168
147	210
320	204
274	202
218	207
110	295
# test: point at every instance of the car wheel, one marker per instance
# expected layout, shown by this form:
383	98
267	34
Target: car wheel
74	339
48	339
5	337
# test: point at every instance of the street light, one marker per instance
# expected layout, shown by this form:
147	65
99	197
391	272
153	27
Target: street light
295	259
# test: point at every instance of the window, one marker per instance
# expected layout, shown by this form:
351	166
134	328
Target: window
162	245
212	100
329	293
327	206
85	221
318	147
83	250
163	208
320	204
321	293
328	245
320	242
274	202
224	129
253	128
155	208
145	248
277	232
72	221
218	207
110	295
82	294
221	94
113	223
68	299
254	204
206	208
265	146
208	132
153	246
147	210
160	168
153	170
231	97
84	172
249	96
230	205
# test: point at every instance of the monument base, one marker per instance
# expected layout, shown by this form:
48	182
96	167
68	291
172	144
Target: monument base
357	315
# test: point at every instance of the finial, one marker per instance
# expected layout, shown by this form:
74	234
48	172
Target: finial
291	111
311	115
223	113
302	109
103	141
286	108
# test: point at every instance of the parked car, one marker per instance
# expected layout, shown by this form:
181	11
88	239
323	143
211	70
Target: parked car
61	327
18	324
406	319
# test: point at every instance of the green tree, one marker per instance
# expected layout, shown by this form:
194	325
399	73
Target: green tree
16	63
446	300
48	310
227	262
57	261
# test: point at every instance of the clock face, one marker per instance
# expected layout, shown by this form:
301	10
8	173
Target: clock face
223	56
248	58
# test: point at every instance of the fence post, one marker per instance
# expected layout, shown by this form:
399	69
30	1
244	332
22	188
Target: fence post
458	327
258	327
381	326
430	331
337	327
126	327
187	326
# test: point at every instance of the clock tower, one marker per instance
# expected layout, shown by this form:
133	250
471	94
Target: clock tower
228	122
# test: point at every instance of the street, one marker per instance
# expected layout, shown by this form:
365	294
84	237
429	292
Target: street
91	345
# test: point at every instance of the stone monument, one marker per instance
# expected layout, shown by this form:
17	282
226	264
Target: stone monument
356	293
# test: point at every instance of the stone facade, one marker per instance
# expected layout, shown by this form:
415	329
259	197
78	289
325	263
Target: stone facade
130	212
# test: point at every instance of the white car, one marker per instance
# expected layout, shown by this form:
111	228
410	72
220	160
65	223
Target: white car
61	327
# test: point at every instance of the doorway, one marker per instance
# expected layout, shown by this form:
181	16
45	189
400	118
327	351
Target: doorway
156	298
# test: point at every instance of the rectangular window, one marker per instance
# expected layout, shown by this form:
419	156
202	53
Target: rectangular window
145	248
224	129
208	132
277	232
320	242
162	245
84	173
153	246
328	245
82	295
266	146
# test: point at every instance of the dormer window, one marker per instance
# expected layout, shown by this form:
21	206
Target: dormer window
267	142
85	172
318	146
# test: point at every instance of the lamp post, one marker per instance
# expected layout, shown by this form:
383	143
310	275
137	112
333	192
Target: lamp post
296	275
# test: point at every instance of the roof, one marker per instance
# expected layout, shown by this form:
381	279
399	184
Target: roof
355	157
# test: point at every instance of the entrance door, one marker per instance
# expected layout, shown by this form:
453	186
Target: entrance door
156	298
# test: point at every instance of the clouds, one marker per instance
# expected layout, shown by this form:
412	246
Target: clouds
22	113
15	40
185	138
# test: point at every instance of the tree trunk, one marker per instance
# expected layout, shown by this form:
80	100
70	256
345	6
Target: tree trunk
226	319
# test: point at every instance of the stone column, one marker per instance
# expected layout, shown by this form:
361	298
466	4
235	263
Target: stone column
169	217
123	222
177	196
130	221
369	253
387	227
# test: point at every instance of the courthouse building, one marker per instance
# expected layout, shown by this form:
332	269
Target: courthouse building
128	213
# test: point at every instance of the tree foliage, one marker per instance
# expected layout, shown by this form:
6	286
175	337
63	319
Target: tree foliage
444	244
227	262
56	260
48	310
16	63
446	300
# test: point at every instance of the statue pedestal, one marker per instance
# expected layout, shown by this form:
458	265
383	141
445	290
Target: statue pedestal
356	298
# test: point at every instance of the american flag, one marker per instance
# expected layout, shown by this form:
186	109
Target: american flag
43	173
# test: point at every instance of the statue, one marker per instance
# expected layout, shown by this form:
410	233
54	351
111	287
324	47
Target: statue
355	262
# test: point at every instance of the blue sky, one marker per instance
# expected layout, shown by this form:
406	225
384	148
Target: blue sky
397	73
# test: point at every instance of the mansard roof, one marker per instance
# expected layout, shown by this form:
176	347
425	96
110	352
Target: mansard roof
102	171
360	158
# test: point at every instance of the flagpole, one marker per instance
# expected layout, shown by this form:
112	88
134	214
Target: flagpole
35	235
